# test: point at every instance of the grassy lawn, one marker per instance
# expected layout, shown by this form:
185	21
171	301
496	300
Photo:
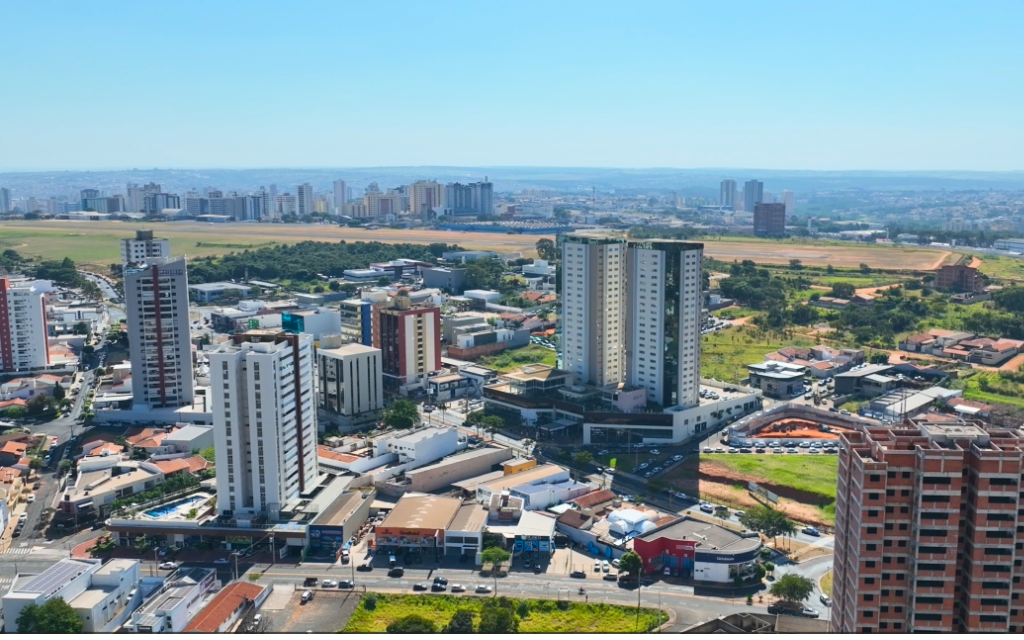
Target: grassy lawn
813	474
544	616
732	313
986	387
726	354
514	358
826	584
1002	267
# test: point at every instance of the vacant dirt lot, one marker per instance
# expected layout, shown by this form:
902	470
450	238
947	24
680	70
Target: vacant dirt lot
328	612
95	242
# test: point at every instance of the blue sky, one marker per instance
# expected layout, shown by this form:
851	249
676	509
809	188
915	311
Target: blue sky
775	85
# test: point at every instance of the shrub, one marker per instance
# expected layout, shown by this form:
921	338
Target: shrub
370	601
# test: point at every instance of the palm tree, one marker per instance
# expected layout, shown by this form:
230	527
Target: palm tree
443	406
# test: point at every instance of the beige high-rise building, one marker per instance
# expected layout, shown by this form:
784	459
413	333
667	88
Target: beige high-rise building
425	195
593	308
159	339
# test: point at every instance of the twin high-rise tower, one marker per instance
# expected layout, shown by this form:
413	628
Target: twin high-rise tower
631	314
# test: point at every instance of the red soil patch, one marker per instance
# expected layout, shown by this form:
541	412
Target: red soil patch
797	428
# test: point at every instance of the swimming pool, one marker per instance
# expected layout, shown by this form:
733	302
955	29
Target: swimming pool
180	506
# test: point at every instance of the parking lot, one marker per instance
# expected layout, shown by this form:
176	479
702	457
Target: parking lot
807	447
327	610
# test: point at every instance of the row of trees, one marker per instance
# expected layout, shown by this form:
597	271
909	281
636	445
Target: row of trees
498	615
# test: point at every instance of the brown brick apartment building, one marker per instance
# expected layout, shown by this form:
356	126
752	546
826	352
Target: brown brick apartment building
958	277
769	219
927	534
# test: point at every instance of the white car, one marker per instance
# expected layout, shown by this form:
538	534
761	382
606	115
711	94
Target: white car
606	567
329	584
458	588
31	498
483	588
615	563
220	561
597	566
678	457
655	452
166	566
706	450
680	495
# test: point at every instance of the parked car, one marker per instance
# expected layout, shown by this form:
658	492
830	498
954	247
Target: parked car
810	613
220	561
365	567
31	498
167	566
441	580
420	586
643	465
811	531
606	567
458	588
483	588
777	450
733	450
602	452
719	450
681	496
579	573
396	572
309	582
655	452
825	600
707	507
792	450
615	563
306	596
437	586
597	566
677	457
329	584
707	449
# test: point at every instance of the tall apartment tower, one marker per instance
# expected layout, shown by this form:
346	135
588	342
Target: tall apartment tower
593	308
143	247
663	308
769	219
351	383
409	339
304	200
727	194
482	194
264	421
24	345
340	197
928	530
5	200
789	200
753	192
159	340
425	195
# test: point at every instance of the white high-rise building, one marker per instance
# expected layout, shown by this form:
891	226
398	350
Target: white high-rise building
663	283
351	383
753	193
284	205
143	247
593	307
135	199
264	421
789	200
159	340
24	345
304	200
727	194
5	200
340	197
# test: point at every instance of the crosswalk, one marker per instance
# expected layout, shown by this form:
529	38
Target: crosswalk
5	584
41	553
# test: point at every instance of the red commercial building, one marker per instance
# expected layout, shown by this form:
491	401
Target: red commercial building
928	537
769	219
700	550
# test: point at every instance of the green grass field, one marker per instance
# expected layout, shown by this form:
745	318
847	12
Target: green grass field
813	474
986	387
1002	268
544	616
514	358
726	354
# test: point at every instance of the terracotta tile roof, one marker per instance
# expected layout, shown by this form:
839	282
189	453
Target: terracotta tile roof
17	402
16	448
109	447
153	441
223	606
9	474
24	462
960	402
919	338
167	467
573	518
596	497
323	451
197	463
138	435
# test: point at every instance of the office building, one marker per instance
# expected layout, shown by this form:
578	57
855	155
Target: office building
304	199
232	206
663	307
769	219
135	201
351	383
410	340
927	536
264	421
143	247
5	200
155	203
753	192
114	204
727	194
340	196
357	322
159	340
789	200
23	338
424	196
593	308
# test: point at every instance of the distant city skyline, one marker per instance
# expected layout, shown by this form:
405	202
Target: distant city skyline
895	86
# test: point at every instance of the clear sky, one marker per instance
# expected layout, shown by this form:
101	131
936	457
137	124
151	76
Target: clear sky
897	85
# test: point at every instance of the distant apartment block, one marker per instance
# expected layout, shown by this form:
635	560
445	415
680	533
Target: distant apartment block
727	194
23	338
959	278
410	341
753	193
143	247
769	219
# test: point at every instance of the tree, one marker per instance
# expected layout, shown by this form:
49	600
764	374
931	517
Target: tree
461	622
546	250
494	556
55	616
864	268
498	616
35	463
443	406
582	458
40	404
792	588
843	290
795	264
492	424
58	392
64	465
722	513
401	415
631	563
81	328
412	624
770	522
